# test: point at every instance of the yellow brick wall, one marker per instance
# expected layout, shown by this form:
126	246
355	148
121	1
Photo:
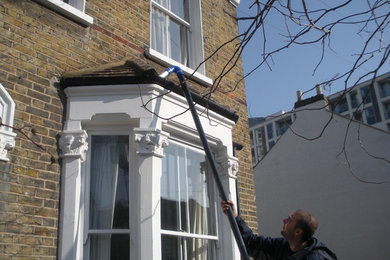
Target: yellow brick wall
37	46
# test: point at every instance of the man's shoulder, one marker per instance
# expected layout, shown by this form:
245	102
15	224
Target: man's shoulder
321	254
319	251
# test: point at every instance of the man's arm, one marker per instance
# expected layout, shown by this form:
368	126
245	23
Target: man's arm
255	245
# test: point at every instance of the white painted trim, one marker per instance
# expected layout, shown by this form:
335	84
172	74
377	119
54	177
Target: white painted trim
68	11
8	104
7	137
187	71
235	2
186	234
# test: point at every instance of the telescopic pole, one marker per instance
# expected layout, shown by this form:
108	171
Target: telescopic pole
233	223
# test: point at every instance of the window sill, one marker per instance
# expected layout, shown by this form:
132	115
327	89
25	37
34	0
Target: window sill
235	2
197	76
68	11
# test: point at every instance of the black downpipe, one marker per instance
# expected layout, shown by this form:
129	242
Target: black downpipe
233	223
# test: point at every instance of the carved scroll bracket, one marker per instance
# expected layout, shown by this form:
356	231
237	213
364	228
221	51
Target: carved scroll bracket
74	144
151	141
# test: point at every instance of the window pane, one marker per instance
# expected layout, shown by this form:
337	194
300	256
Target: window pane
200	249
386	108
385	89
178	7
186	204
109	187
199	211
159	32
171	248
366	94
270	131
354	100
370	115
341	106
118	245
173	190
185	192
178	42
177	248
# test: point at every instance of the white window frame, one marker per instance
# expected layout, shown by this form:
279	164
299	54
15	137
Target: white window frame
86	173
235	2
115	108
195	43
75	10
7	113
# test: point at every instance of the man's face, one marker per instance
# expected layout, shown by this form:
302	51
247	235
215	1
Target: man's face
288	228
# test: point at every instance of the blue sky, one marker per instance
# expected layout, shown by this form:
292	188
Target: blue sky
270	90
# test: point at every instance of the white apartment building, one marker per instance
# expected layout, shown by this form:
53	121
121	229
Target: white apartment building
368	102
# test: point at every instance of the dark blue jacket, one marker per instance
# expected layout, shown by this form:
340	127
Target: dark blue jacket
263	248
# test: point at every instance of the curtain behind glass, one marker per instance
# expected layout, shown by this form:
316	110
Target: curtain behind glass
185	203
199	204
108	197
173	190
160	32
168	36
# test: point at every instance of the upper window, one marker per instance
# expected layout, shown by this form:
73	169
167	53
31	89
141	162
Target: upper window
340	106
188	214
171	29
385	89
259	135
270	131
354	100
366	94
176	34
282	126
370	115
73	9
386	108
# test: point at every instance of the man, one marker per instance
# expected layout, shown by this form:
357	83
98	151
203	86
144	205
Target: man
297	243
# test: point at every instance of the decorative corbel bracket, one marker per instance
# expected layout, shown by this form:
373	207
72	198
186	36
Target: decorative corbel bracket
73	143
7	143
227	165
151	141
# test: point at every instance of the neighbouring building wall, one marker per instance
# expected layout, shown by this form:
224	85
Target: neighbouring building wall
374	111
341	177
38	46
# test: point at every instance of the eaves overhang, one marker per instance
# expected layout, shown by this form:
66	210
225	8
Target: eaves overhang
135	71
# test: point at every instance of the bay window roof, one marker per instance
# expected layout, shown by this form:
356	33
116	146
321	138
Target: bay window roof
135	71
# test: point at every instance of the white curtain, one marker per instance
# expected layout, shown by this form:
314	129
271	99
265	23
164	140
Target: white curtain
160	35
169	37
199	205
104	178
185	192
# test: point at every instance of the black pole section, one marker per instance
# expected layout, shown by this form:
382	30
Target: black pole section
233	223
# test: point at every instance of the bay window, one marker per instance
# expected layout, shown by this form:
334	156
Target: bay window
136	186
